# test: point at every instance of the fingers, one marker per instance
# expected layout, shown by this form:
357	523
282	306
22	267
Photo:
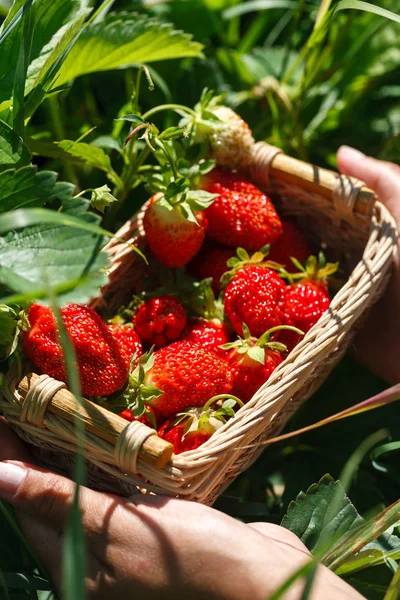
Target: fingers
280	534
48	497
382	177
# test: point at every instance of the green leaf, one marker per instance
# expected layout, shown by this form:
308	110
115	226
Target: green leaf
8	330
77	152
52	51
13	151
28	187
121	40
306	516
49	17
90	155
368	7
55	251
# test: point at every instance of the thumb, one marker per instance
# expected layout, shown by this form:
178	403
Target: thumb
382	177
48	497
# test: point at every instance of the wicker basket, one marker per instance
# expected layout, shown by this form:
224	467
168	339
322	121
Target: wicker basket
342	215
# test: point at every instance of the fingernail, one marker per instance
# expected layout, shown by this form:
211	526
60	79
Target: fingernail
11	477
351	152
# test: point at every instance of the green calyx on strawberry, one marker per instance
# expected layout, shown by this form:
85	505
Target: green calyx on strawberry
252	361
315	269
244	259
174	221
179	375
191	428
255	348
137	392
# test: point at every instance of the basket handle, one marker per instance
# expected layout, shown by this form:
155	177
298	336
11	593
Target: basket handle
96	419
348	194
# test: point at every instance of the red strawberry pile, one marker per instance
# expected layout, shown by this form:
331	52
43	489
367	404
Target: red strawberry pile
182	365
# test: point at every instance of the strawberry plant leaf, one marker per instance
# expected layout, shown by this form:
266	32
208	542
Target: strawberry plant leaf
28	187
49	17
13	152
121	40
78	152
306	515
8	330
56	252
52	51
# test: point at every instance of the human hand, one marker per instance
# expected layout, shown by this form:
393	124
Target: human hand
152	546
378	345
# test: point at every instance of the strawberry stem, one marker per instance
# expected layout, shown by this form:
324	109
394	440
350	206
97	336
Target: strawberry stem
162	107
222	397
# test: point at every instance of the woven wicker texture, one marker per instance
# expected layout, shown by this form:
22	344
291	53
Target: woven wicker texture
338	212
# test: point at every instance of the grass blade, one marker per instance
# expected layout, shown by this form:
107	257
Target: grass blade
323	9
15	20
256	5
393	591
368	7
21	71
74	554
364	534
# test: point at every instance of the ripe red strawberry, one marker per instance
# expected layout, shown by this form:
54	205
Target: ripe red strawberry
252	361
241	215
255	296
208	333
189	430
129	341
290	243
102	365
308	299
150	417
177	376
174	232
210	262
160	320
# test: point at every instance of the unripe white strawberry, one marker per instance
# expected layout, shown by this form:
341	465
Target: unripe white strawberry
229	137
231	141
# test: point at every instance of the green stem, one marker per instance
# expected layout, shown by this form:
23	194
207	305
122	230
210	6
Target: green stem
163	107
59	133
222	397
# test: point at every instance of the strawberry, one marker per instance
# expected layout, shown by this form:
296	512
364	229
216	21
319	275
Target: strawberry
241	215
210	262
150	417
177	376
102	365
229	137
307	299
190	429
172	238
255	296
129	342
252	361
208	333
290	243
160	320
